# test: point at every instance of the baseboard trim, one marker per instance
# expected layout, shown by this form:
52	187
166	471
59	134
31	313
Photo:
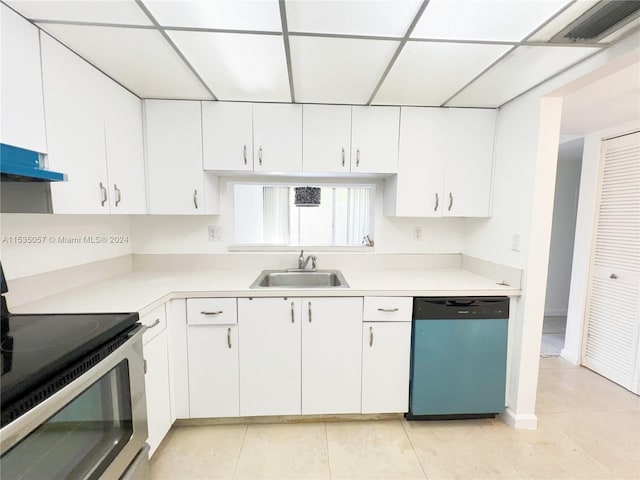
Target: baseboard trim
570	357
519	421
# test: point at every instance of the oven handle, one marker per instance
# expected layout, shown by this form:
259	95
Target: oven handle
12	433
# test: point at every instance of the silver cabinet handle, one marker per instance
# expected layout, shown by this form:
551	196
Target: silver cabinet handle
358	158
435	209
260	155
388	310
118	194
450	201
229	337
309	312
244	154
293	315
371	336
195	198
204	312
154	324
613	275
343	156
103	191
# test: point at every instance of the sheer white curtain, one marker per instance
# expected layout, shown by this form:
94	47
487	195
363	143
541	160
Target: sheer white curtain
276	215
358	208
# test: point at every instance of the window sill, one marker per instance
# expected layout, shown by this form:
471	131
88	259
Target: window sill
297	248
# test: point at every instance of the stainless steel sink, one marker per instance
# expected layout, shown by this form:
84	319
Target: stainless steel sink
300	279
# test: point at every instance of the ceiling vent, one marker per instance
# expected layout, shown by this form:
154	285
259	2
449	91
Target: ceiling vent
599	21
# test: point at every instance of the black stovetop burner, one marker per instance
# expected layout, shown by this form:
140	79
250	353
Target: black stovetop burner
35	348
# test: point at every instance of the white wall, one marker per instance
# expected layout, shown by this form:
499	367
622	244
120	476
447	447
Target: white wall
23	259
565	207
583	237
188	234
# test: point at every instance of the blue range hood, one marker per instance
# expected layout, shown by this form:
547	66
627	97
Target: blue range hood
21	165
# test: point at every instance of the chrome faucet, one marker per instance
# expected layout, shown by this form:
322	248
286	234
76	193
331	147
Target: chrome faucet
302	261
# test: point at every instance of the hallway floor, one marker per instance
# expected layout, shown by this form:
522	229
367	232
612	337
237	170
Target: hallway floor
588	428
553	331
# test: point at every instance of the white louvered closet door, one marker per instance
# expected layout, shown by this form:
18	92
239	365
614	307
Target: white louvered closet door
612	326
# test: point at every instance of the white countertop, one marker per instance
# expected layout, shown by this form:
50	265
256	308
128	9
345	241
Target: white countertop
144	290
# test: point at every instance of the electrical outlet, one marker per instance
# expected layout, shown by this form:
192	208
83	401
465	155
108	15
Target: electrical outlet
515	242
417	233
215	233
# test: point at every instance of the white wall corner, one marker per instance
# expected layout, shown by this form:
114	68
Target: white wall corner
570	356
519	421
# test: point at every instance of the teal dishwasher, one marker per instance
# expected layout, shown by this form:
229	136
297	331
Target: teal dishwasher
458	357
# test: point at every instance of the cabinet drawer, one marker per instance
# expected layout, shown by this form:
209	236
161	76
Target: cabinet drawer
212	311
156	320
387	309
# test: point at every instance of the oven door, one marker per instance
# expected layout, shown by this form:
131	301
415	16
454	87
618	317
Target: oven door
93	428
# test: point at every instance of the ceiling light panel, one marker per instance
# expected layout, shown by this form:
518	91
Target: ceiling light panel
428	73
256	15
105	11
238	66
338	70
522	69
142	60
355	17
488	20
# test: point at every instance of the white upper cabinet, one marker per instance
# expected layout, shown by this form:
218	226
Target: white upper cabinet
175	178
445	163
227	136
468	169
75	130
374	139
277	138
22	113
326	144
125	155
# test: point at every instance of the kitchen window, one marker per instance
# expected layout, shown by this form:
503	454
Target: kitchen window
268	215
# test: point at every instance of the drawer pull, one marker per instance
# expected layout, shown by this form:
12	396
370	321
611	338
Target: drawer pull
371	336
388	310
309	312
229	337
154	324
293	315
211	313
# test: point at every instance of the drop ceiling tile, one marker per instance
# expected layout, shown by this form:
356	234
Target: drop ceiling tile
259	15
140	59
428	73
522	69
354	17
238	66
111	11
490	20
338	70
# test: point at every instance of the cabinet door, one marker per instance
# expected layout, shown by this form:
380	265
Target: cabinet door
331	355
326	133
468	168
213	371
385	367
157	390
422	153
374	140
269	331
227	136
174	157
125	155
22	113
75	130
277	137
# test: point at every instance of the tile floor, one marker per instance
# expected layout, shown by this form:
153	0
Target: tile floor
588	428
553	331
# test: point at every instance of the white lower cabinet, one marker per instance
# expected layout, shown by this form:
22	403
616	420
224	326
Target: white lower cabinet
270	363
213	358
157	389
331	355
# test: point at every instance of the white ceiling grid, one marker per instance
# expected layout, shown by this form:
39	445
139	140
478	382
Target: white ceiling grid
472	53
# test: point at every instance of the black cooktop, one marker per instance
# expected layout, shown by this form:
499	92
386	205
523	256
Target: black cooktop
35	348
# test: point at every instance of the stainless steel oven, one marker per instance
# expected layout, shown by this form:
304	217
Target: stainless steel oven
95	427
